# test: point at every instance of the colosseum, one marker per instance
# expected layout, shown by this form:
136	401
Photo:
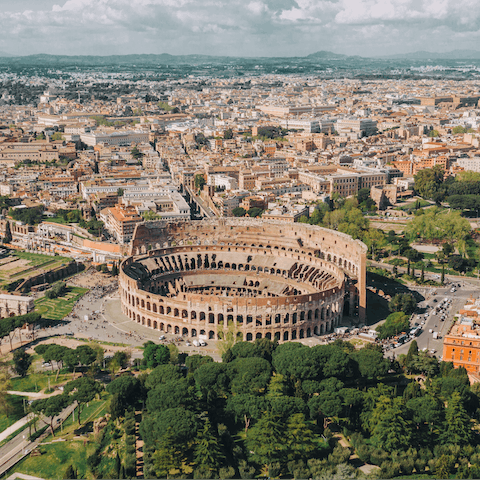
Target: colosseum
267	279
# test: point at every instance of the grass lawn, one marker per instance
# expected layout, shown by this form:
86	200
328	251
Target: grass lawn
37	258
37	382
55	459
58	308
16	412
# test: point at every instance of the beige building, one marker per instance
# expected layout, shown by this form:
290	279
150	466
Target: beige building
13	305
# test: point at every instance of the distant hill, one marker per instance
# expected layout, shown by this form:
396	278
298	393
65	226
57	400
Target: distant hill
424	55
325	55
144	59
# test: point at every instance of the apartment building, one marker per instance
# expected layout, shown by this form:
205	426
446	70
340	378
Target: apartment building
114	138
359	127
120	221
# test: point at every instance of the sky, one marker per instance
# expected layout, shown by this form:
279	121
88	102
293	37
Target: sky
237	27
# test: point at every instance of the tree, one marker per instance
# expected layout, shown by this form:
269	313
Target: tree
239	212
22	361
207	453
433	133
371	362
154	355
8	233
300	439
83	390
267	439
403	302
412	352
127	390
394	324
57	136
169	457
228	134
255	212
458	427
199	181
70	472
120	192
51	407
428	181
389	425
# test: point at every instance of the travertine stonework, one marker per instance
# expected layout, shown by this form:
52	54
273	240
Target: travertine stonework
268	279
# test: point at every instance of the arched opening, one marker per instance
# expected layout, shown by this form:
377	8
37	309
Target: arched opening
184	331
184	314
211	335
193	315
309	332
285	336
177	331
162	326
302	335
309	315
258	335
148	305
249	337
154	306
268	335
169	328
294	334
175	312
211	318
277	335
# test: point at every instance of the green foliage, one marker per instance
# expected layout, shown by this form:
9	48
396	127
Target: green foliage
21	362
403	302
255	212
8	233
394	324
154	355
433	133
199	181
239	212
58	290
31	216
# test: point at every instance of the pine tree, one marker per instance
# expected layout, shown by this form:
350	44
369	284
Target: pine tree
458	427
207	453
443	274
8	233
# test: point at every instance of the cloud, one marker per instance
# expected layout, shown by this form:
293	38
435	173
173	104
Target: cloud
237	27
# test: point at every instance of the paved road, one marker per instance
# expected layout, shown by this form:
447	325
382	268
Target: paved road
433	322
19	447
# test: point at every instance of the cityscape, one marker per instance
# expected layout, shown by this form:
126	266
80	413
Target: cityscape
239	241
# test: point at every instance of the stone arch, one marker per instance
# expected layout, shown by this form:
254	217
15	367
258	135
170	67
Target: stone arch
143	320
142	303
149	322
258	335
175	312
309	315
315	330
211	318
294	334
193	332
249	337
277	336
148	305
184	331
176	330
309	332
162	326
184	314
169	328
285	336
211	335
154	307
302	334
202	316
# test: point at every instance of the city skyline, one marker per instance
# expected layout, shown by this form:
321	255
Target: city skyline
226	27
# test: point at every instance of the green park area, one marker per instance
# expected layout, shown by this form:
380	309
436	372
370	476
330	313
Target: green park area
58	308
22	265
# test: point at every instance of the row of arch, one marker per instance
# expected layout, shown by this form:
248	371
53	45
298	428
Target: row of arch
285	335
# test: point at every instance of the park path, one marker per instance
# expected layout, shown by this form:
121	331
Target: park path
34	395
13	428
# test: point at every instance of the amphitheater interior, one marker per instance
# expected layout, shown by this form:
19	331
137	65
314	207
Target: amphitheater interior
250	279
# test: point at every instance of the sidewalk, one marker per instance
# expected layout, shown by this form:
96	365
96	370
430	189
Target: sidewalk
13	428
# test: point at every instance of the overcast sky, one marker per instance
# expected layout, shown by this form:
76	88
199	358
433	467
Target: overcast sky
237	27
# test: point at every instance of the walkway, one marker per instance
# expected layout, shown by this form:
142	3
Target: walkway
13	428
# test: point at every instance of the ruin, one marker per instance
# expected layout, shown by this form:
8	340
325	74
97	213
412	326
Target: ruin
267	279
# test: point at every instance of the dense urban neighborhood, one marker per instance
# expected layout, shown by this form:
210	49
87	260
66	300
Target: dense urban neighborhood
234	269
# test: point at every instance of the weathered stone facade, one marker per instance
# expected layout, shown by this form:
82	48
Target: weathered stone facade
13	305
268	279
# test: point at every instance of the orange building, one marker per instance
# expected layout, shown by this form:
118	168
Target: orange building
462	345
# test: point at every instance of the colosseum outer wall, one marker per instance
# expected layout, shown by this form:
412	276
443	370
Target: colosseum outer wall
334	251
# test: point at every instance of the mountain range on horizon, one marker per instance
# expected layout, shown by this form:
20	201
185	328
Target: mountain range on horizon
166	58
